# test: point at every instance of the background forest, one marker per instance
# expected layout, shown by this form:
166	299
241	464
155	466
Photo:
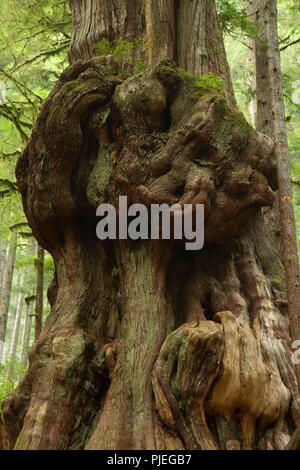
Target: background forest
34	40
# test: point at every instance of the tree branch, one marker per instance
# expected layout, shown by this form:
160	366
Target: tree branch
290	44
42	54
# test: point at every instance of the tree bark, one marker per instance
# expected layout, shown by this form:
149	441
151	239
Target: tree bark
263	115
264	121
286	208
39	291
6	290
185	31
3	247
288	228
149	346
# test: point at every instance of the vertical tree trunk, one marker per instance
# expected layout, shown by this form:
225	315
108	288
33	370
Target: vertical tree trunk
263	115
5	298
26	330
264	121
16	329
13	312
288	228
127	419
39	291
3	246
200	45
285	195
110	19
185	31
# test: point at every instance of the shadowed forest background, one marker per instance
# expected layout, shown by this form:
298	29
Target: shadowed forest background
35	37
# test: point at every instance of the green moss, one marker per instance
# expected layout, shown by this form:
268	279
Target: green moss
188	77
21	441
278	278
165	68
239	118
100	176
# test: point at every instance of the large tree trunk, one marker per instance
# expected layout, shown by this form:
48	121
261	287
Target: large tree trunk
185	31
6	289
150	346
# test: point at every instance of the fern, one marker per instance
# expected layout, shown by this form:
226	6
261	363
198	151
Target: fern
123	51
209	82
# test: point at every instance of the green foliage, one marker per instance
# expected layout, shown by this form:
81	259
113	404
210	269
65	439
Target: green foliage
48	264
295	167
234	20
7	187
124	51
7	386
241	61
34	38
209	82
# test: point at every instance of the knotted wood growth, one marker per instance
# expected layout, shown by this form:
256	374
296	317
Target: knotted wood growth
148	346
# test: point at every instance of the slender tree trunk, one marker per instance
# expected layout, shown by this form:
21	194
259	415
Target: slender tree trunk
39	291
13	312
150	346
26	330
3	247
263	115
16	329
5	298
285	196
264	121
288	228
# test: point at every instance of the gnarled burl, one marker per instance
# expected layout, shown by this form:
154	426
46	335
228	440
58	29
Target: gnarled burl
149	346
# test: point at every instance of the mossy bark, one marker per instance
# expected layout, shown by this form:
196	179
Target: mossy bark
149	346
187	32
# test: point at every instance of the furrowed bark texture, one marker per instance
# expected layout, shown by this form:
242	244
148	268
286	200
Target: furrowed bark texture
185	31
290	252
286	208
149	346
258	14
